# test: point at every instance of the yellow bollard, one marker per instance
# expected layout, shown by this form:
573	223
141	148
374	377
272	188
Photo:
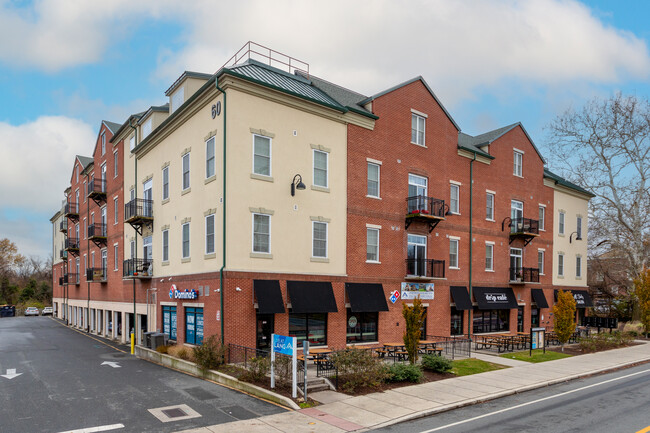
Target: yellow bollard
132	343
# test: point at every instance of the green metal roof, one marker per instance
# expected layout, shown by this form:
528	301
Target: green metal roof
562	181
474	144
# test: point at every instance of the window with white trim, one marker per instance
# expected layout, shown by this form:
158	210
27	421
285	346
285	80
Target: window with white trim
540	261
103	138
261	155
417	129
261	233
321	162
186	171
178	98
579	227
560	223
319	239
116	163
116	257
372	242
165	183
186	241
210	160
489	257
560	265
453	253
578	267
209	234
454	198
542	217
132	142
518	163
116	210
165	245
146	128
489	206
373	180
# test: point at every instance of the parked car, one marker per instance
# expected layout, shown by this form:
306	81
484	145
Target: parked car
31	311
47	311
7	311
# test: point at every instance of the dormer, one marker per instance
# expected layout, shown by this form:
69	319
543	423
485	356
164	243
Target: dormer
184	87
151	119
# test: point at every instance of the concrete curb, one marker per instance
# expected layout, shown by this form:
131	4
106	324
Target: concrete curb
500	394
214	376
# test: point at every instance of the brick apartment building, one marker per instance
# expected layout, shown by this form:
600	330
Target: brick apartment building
263	199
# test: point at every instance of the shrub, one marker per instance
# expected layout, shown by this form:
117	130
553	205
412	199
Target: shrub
211	354
283	369
604	341
414	317
633	328
258	368
181	352
404	373
437	364
564	312
162	349
358	368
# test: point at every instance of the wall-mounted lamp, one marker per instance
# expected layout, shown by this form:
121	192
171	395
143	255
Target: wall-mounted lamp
578	237
447	211
296	183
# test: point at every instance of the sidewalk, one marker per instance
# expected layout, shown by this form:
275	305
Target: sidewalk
342	413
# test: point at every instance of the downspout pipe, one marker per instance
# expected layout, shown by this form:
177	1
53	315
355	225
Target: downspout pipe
87	254
471	211
223	225
135	183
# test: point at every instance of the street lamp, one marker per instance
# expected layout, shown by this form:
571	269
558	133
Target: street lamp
578	237
296	183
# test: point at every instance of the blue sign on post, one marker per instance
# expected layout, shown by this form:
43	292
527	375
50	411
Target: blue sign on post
283	344
286	346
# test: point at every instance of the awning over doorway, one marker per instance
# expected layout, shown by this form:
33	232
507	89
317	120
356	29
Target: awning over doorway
494	298
366	298
583	300
311	297
539	298
461	297
269	296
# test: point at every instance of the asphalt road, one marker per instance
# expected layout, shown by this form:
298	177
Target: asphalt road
63	386
613	402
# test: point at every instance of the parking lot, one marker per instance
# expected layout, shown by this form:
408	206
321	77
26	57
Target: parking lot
55	379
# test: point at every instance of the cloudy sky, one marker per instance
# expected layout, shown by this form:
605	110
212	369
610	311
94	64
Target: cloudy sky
65	65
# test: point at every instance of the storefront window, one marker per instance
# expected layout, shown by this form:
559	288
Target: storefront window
456	321
169	321
491	321
362	327
520	319
311	327
423	329
534	317
194	326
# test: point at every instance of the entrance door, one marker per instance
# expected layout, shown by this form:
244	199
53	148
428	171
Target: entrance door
417	254
520	319
265	326
517	216
516	270
148	197
417	193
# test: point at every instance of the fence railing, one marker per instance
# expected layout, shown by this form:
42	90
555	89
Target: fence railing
138	208
524	225
97	230
242	357
524	275
427	268
97	186
137	268
453	347
422	205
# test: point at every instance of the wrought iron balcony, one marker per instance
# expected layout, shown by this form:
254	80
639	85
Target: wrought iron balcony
138	268
97	234
524	275
71	210
427	209
71	278
522	228
139	212
72	245
97	190
60	281
425	268
63	226
96	274
63	254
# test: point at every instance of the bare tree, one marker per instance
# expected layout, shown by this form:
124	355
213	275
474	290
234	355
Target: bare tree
605	148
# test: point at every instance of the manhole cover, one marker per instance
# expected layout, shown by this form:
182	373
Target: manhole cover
200	393
174	413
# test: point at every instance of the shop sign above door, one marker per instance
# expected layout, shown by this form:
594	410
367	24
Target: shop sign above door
174	293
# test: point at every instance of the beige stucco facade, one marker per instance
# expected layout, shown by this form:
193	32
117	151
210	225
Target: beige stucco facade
573	205
58	237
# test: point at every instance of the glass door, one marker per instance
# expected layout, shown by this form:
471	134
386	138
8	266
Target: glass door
517	216
516	270
417	254
265	325
417	193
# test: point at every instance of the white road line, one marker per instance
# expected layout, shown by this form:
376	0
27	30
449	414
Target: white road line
96	429
532	402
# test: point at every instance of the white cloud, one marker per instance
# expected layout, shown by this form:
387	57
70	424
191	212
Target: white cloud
36	161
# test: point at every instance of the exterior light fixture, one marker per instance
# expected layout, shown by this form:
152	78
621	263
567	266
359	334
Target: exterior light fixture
578	237
296	183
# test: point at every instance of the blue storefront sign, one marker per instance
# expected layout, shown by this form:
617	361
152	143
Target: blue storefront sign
283	344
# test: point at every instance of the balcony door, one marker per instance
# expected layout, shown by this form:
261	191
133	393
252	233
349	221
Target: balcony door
104	263
146	249
517	215
102	184
417	254
417	188
148	197
516	263
103	222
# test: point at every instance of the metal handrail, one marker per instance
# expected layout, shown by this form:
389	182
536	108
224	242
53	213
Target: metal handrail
137	267
97	186
90	274
138	207
97	230
524	225
524	275
271	55
71	244
430	268
422	205
71	208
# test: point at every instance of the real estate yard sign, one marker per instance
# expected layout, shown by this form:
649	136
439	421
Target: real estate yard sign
286	346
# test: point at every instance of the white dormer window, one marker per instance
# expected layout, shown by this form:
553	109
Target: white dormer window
132	142
103	143
178	98
146	128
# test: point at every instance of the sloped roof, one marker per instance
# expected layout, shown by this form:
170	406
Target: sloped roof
562	181
85	161
406	83
112	126
346	97
136	116
474	143
187	74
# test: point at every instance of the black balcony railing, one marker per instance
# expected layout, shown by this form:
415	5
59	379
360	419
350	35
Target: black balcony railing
137	209
425	206
97	230
71	209
425	268
96	274
71	278
524	275
138	268
524	226
63	254
97	186
60	281
71	244
63	226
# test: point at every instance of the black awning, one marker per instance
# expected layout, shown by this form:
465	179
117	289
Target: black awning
366	298
269	296
583	300
311	297
461	297
495	298
539	298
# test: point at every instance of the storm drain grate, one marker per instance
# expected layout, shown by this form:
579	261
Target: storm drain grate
174	413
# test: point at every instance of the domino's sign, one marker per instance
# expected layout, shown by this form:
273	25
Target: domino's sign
174	293
394	296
